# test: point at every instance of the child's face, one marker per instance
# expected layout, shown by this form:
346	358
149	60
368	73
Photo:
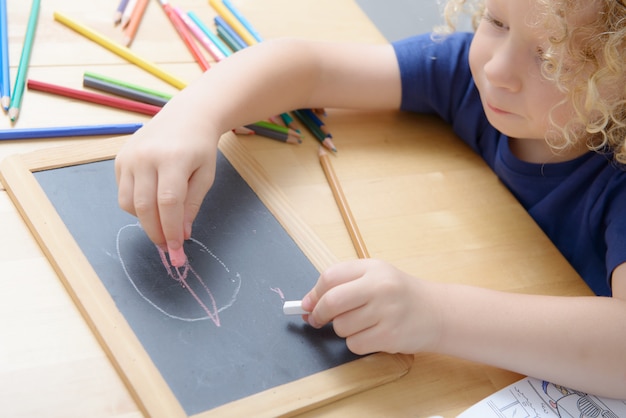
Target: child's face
505	60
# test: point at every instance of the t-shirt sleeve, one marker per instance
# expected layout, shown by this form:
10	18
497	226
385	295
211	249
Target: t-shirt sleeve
436	79
435	73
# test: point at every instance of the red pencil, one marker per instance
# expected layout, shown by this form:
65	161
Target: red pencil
185	35
86	96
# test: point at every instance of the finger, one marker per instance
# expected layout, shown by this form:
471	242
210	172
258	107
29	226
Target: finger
330	278
125	190
145	205
338	301
367	341
357	314
170	197
199	184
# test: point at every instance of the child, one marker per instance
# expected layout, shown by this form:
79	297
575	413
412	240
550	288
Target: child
538	91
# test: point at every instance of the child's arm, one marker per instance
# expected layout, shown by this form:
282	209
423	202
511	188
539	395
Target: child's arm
167	167
578	342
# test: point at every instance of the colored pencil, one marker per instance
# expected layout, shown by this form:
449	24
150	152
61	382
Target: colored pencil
22	69
123	91
272	134
5	87
204	40
135	19
185	35
238	40
228	40
128	12
315	130
342	202
213	37
223	11
288	120
119	12
279	128
242	130
241	18
69	131
118	49
123	83
311	114
86	96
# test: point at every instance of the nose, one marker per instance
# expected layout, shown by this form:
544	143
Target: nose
504	68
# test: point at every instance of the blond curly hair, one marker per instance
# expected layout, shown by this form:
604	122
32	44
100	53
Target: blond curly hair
587	63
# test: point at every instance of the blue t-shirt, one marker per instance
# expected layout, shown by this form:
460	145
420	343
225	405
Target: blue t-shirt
579	204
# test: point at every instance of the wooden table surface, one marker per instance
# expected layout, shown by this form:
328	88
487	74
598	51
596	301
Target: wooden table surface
423	201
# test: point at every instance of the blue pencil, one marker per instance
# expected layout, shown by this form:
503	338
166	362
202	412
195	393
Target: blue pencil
5	83
69	131
221	23
119	12
317	121
213	37
22	68
242	20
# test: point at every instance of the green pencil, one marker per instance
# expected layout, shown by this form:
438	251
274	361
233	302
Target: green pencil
228	40
315	130
123	91
128	85
22	69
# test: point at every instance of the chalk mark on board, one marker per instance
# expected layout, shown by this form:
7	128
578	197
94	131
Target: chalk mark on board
158	289
278	292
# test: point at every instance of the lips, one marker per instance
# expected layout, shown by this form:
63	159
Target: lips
497	110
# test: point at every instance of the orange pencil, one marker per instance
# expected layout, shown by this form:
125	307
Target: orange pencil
135	19
185	35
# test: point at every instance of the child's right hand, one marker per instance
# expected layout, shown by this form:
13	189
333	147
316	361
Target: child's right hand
163	173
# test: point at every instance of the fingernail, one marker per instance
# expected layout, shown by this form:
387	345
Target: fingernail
187	231
177	257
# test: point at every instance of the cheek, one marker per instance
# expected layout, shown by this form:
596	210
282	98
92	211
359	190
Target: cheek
474	61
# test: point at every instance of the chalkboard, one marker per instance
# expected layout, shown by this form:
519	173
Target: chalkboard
211	332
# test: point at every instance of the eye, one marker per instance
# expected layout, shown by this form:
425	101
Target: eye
498	24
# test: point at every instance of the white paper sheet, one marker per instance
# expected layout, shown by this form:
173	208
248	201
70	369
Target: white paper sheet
533	398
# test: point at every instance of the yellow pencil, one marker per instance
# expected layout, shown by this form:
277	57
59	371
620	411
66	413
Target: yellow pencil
119	49
234	23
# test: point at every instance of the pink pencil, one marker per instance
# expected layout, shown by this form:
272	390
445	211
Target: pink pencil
200	36
185	35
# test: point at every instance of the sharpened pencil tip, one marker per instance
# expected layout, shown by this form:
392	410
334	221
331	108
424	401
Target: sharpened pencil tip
13	113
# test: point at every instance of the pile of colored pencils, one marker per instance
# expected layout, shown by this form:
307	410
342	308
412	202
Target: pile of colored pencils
232	33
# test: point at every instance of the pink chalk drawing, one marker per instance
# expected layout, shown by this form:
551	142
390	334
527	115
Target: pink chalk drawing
170	289
278	292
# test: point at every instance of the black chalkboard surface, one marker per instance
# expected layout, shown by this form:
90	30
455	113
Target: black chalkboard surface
208	338
215	327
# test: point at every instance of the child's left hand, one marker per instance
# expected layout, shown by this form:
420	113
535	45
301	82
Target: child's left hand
376	307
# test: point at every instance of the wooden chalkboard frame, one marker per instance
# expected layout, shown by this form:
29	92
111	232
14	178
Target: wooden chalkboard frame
126	353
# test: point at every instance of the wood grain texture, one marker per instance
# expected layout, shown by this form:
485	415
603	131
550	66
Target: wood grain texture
126	353
422	199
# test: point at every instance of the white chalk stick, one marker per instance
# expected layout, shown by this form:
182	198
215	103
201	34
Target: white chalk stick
293	307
